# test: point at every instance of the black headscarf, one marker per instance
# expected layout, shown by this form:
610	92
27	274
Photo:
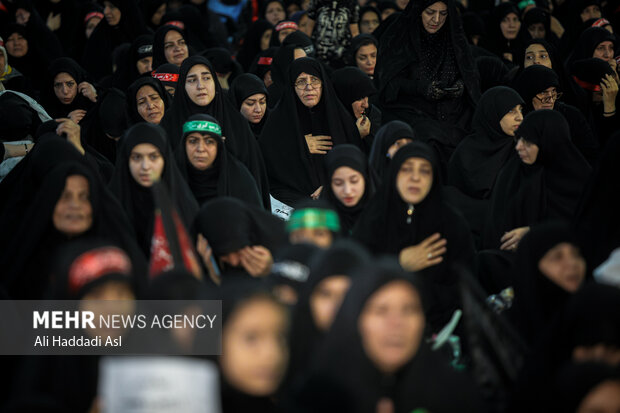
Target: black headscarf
53	105
127	72
239	138
26	260
342	258
132	91
386	137
280	64
537	298
159	55
352	84
354	158
356	43
243	87
589	39
302	41
229	225
534	80
226	176
251	44
105	38
577	381
262	63
539	15
495	42
475	164
294	173
223	62
384	227
343	368
550	188
275	34
138	201
493	72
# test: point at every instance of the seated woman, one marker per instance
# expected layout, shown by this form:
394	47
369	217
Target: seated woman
539	87
504	37
390	138
370	19
68	93
249	94
363	53
147	100
313	222
72	204
208	168
349	184
241	238
408	218
549	268
169	46
375	356
199	91
145	157
309	121
426	74
254	347
354	89
545	182
475	164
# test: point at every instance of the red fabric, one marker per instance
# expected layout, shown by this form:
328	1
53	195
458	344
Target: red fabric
96	263
265	61
93	14
166	77
176	23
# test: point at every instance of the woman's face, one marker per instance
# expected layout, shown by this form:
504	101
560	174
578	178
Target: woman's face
254	108
414	180
265	38
510	26
199	85
536	54
545	99
537	30
591	12
150	105
16	45
65	88
201	150
254	348
91	25
359	106
321	237
348	186
387	12
146	164
304	25
396	146
308	89
73	214
366	59
145	65
274	13
511	120
326	299
369	22
159	13
434	17
391	325
564	265
285	32
604	51
112	13
175	48
528	151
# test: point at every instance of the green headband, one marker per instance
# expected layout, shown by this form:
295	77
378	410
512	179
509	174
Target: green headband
202	126
524	3
313	218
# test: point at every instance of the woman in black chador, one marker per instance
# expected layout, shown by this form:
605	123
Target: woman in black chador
199	91
426	74
306	124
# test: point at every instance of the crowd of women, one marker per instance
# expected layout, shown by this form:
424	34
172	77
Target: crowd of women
404	206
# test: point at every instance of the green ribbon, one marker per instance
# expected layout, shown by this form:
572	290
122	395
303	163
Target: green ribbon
524	3
313	218
202	126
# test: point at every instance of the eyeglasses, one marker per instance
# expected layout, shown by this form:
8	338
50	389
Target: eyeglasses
315	83
546	97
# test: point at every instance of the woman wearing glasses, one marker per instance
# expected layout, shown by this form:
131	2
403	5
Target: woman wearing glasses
306	124
539	87
543	183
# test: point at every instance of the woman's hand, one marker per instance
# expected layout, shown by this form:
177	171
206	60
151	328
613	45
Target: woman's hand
77	115
363	126
426	254
88	91
204	250
609	87
316	194
510	240
319	145
256	260
71	130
